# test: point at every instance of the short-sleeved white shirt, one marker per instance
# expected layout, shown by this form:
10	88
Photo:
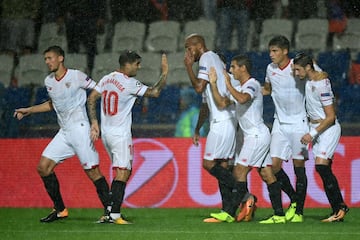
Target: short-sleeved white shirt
288	93
68	96
249	114
207	60
119	93
318	95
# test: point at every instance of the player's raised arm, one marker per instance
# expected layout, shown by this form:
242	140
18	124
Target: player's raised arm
155	90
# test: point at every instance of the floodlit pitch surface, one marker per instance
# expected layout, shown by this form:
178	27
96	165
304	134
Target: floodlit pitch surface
160	223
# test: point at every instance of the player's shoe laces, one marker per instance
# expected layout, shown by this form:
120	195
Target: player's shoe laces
55	215
290	213
223	216
339	216
247	209
274	219
298	218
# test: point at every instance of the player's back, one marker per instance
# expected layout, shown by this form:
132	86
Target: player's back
119	93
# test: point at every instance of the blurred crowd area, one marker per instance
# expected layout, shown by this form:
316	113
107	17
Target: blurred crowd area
93	33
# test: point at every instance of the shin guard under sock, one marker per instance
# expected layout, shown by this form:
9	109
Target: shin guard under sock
226	195
331	186
301	187
52	186
285	184
102	189
275	198
117	195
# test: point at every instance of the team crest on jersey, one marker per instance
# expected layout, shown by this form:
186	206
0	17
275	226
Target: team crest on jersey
68	84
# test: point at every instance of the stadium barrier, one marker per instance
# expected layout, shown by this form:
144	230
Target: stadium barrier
167	173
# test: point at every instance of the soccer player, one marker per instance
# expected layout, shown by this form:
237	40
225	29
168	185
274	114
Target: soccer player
67	92
118	91
255	150
220	143
324	131
290	124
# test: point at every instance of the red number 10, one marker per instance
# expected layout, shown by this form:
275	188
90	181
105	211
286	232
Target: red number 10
110	102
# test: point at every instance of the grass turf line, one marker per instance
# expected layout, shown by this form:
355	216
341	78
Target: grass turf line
159	224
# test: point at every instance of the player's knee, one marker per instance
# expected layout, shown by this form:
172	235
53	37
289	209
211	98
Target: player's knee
267	176
276	166
45	166
207	165
93	173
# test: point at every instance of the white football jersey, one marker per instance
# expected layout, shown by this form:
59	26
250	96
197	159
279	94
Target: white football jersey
250	114
68	96
118	95
207	60
318	95
287	93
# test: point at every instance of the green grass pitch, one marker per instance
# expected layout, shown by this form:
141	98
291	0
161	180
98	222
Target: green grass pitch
159	223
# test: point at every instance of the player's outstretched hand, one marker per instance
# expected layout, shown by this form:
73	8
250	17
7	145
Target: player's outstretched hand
21	112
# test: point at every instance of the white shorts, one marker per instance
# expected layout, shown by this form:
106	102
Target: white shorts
221	141
120	150
255	151
325	144
285	140
74	141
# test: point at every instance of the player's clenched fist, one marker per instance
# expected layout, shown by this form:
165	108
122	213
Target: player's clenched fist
21	112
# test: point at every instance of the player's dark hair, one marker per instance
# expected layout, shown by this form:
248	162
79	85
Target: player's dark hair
56	49
280	41
243	60
303	59
128	57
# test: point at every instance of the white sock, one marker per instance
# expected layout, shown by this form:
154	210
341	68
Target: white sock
115	215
